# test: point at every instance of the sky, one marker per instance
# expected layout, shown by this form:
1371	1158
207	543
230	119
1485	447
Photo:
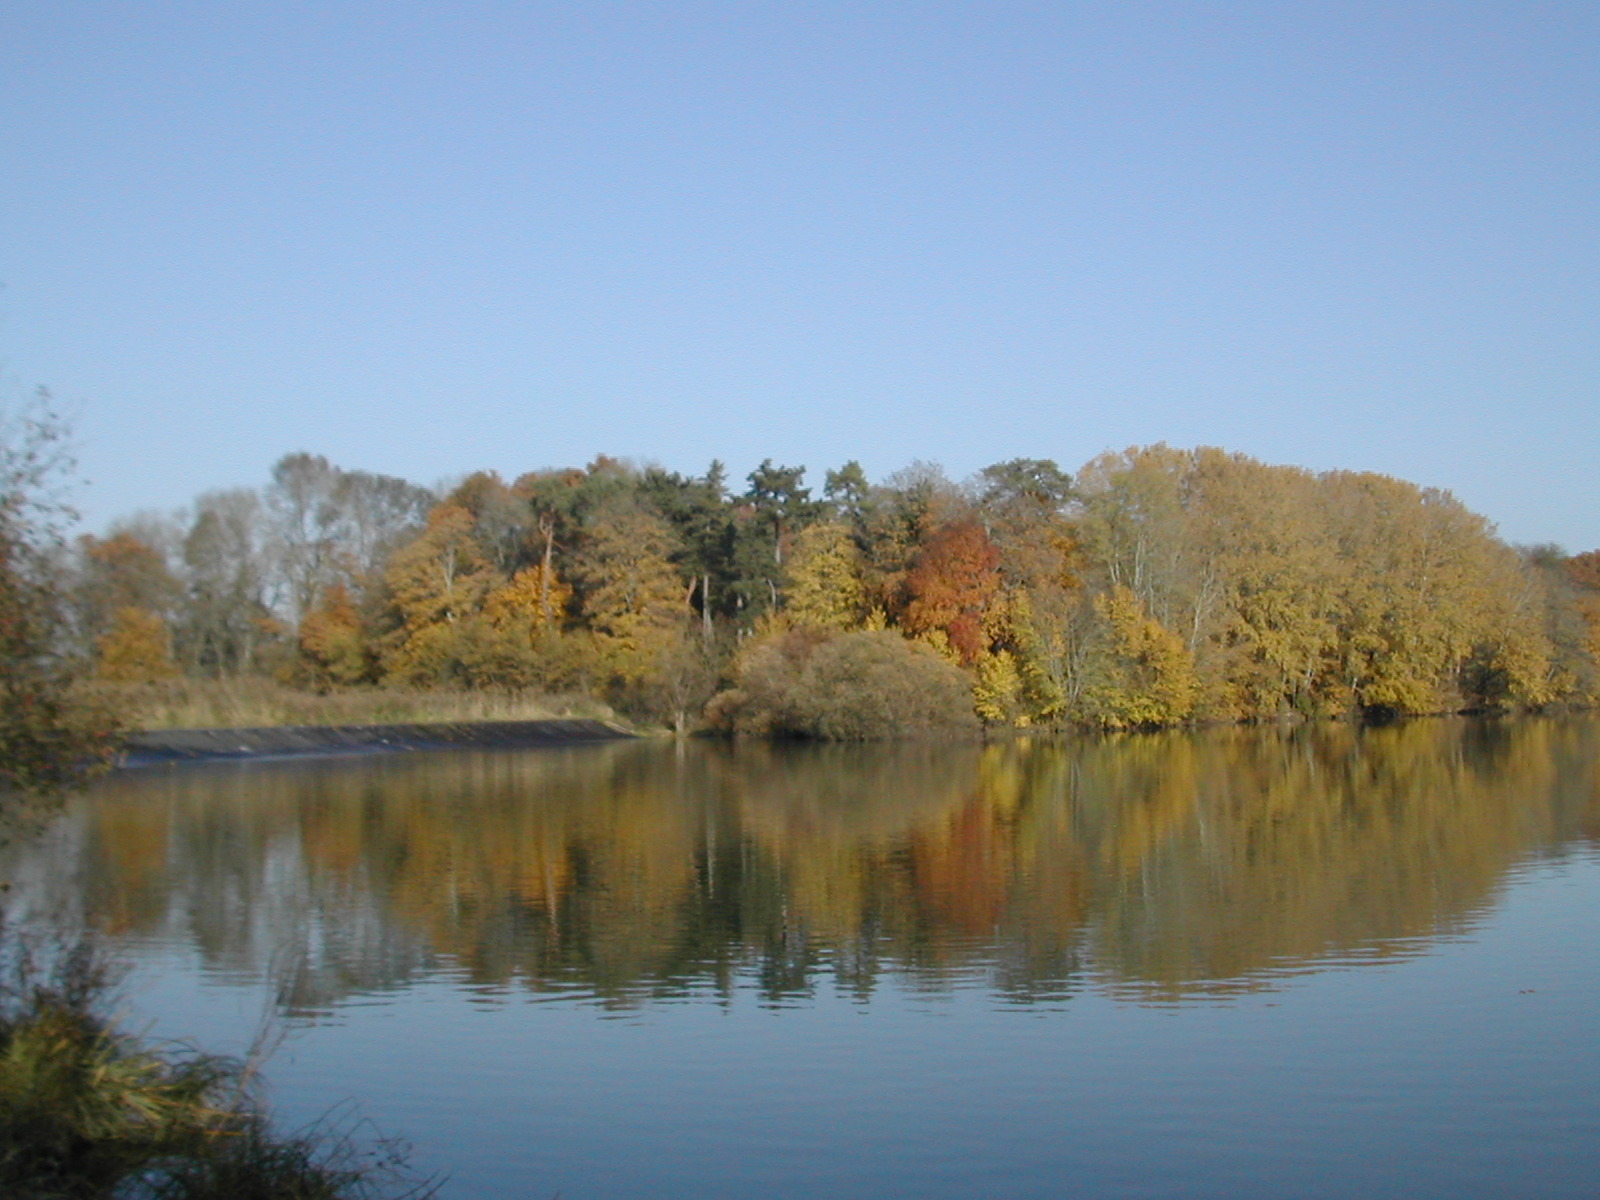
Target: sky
425	239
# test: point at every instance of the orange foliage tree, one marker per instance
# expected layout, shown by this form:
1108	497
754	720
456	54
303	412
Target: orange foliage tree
333	644
951	585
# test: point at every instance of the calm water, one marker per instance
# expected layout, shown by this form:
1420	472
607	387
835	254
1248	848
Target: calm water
1231	964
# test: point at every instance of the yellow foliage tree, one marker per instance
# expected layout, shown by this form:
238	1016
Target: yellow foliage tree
136	649
823	579
528	604
1146	674
635	603
438	582
1417	596
998	693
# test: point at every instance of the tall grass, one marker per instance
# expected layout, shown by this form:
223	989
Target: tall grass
87	1111
251	702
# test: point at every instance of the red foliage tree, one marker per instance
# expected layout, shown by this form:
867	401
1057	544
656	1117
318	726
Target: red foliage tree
951	585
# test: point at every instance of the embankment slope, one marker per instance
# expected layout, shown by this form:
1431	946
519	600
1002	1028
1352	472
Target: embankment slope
157	747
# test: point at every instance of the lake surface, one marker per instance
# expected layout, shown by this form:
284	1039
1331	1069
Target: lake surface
1323	962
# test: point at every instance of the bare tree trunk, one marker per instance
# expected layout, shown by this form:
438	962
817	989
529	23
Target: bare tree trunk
547	526
705	607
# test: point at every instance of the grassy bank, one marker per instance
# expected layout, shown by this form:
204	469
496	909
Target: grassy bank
255	703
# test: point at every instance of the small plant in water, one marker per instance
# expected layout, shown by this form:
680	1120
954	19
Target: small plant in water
89	1111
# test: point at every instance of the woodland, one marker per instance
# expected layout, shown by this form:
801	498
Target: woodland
1152	587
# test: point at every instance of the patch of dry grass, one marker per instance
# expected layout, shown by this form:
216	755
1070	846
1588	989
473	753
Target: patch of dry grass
258	703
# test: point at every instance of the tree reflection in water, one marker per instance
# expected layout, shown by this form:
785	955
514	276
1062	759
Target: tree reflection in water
1158	866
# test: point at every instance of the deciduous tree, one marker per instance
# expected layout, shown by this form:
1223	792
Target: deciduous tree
822	580
225	618
50	735
952	585
335	650
1144	676
136	649
117	572
438	582
633	599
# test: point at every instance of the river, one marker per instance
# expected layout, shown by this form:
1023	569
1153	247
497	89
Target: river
1318	962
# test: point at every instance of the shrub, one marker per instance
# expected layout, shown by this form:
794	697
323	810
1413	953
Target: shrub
861	686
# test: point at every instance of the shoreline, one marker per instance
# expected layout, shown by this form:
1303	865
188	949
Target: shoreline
161	747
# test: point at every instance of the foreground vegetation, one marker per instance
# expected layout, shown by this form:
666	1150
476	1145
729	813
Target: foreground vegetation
87	1111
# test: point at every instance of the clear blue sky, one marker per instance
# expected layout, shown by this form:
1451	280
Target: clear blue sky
425	239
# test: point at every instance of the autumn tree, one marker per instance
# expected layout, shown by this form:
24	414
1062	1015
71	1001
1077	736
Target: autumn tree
554	500
1143	676
646	557
137	648
634	601
511	642
822	579
951	586
1154	585
1037	620
561	503
50	735
529	604
437	583
891	524
1523	655
1267	567
1000	691
1134	523
502	525
1580	637
115	573
1412	603
335	650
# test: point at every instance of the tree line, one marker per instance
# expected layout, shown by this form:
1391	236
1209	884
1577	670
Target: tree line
1152	587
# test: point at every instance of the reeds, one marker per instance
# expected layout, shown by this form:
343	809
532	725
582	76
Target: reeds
87	1111
254	703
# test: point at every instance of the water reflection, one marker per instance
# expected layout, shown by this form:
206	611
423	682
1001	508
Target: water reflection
1160	867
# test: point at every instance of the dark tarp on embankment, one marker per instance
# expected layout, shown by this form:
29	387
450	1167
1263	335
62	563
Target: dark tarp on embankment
209	745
